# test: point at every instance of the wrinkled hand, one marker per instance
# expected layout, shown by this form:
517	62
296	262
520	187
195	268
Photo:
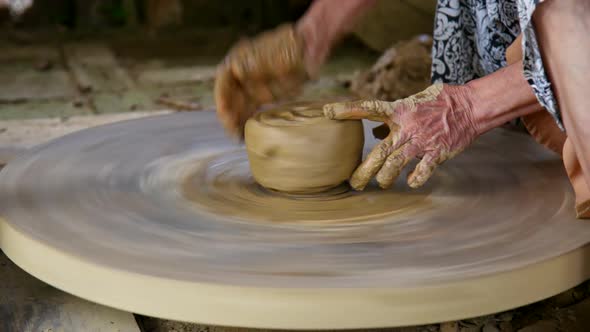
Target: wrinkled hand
435	124
257	71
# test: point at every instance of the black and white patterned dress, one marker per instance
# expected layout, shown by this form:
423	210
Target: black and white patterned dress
471	38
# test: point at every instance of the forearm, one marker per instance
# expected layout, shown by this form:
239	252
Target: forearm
325	23
502	96
561	28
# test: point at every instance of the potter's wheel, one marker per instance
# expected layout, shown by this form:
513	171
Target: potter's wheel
160	216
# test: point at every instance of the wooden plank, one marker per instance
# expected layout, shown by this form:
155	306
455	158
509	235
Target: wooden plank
177	75
95	68
33	72
29	305
11	52
21	83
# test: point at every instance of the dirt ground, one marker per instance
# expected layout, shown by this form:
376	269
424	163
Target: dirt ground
50	87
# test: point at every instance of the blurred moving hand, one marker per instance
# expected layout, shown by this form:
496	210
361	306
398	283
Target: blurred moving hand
256	71
276	64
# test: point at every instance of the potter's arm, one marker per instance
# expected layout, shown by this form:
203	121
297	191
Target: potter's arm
501	97
325	23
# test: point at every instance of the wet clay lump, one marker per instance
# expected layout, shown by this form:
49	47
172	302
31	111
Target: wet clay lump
295	149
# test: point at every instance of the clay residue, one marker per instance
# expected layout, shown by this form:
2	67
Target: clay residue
291	117
223	186
400	72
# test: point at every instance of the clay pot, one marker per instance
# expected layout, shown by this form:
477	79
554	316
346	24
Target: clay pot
297	150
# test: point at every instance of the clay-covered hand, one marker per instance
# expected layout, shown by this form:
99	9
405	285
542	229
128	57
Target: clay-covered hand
257	71
435	124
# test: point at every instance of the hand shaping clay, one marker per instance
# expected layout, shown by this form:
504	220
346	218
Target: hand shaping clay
295	149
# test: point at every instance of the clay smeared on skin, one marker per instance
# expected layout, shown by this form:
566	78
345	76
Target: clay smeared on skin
256	71
435	124
429	94
296	149
382	162
378	110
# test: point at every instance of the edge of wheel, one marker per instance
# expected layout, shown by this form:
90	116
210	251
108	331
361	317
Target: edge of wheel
293	308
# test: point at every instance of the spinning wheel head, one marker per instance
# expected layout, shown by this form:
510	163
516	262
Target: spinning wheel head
162	216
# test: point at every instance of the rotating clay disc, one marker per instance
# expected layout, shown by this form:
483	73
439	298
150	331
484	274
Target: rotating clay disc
161	216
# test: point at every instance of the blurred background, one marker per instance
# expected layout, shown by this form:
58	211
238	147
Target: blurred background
65	58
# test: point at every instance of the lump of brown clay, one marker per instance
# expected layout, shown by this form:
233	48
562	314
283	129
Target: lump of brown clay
299	151
400	72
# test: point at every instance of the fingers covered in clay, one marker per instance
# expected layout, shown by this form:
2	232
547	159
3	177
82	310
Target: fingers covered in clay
394	164
276	52
258	71
423	171
375	110
233	106
436	123
372	164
